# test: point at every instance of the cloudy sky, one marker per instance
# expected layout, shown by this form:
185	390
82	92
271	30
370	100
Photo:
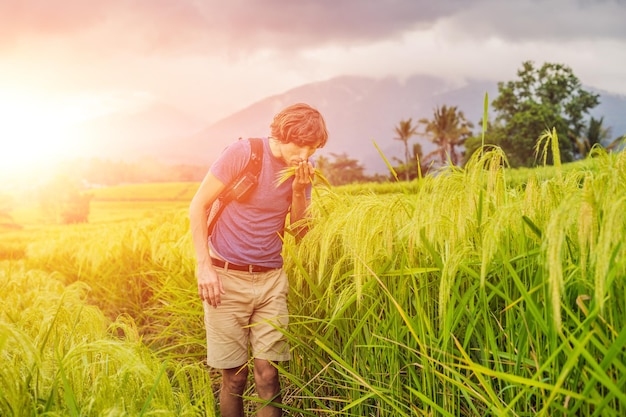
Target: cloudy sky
63	61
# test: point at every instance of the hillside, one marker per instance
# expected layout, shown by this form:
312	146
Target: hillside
361	110
358	111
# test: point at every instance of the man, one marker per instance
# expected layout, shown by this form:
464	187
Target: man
239	267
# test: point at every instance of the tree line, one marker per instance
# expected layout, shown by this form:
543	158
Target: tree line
541	99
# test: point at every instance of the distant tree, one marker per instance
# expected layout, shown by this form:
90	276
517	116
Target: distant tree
448	129
596	134
75	207
411	170
472	144
62	201
618	144
405	131
342	170
542	98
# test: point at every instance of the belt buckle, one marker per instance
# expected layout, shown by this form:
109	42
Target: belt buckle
251	269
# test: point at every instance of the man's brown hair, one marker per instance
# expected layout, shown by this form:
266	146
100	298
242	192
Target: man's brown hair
300	124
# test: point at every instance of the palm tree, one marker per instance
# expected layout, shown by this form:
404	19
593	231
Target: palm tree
618	144
404	131
447	129
596	134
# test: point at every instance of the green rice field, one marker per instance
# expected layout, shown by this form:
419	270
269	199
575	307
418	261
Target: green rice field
481	291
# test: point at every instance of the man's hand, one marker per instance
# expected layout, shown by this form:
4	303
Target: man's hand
210	288
303	176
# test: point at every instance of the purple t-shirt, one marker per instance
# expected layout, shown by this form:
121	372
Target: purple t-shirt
250	232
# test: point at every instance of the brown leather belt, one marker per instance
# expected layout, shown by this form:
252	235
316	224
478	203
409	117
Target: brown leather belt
247	268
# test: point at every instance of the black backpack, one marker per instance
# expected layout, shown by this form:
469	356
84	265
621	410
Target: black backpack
242	186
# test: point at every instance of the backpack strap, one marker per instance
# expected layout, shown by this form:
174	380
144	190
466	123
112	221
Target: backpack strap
256	157
246	180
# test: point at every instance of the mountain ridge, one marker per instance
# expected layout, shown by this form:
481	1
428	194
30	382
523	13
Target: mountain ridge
358	111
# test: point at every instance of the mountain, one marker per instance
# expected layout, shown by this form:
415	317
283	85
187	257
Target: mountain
359	111
612	108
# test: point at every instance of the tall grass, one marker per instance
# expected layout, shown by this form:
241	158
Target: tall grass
479	291
143	269
466	297
61	356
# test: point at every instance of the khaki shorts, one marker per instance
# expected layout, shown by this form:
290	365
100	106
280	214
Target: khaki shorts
252	310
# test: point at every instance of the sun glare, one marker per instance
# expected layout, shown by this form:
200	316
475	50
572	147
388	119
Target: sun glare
35	131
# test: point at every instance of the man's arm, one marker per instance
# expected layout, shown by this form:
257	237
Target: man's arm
210	286
299	201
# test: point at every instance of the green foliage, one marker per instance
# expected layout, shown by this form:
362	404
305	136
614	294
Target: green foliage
472	145
61	356
134	271
542	98
520	177
479	291
469	296
447	129
596	135
342	170
415	168
405	131
619	144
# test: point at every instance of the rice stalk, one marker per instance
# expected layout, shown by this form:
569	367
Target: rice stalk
465	256
388	164
78	364
550	141
610	249
290	171
557	234
587	226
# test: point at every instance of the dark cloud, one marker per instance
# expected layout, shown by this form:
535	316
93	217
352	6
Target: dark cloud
548	20
214	25
240	23
290	23
213	55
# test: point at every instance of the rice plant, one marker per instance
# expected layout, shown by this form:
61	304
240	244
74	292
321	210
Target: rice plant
467	297
61	356
479	291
